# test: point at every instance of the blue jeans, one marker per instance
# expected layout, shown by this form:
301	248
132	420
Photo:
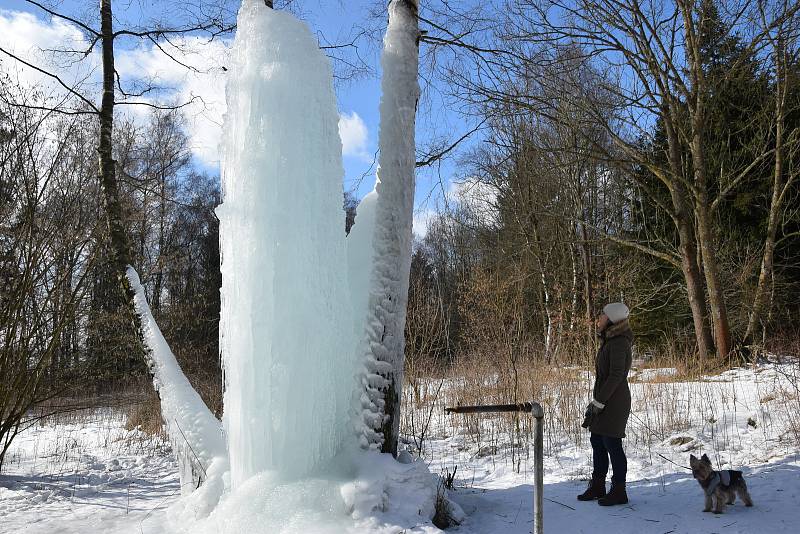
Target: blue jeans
603	448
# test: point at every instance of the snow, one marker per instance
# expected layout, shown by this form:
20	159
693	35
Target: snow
360	491
193	430
86	473
651	374
286	333
668	503
670	419
89	474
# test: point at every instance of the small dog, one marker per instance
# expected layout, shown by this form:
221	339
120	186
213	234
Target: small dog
720	487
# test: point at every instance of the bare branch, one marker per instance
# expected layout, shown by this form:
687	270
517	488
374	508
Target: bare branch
53	76
78	23
431	158
158	106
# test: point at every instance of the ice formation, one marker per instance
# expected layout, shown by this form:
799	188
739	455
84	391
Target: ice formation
359	258
391	210
287	330
311	321
194	432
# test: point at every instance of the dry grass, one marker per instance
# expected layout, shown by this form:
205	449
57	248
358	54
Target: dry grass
563	391
142	406
144	413
665	406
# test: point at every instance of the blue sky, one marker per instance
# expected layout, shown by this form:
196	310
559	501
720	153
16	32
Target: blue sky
358	100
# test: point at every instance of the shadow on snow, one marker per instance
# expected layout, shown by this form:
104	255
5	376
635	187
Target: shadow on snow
669	504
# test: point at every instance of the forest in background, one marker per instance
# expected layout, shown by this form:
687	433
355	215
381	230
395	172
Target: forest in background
608	171
676	193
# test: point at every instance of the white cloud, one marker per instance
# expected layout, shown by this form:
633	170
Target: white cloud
478	197
33	40
475	199
203	85
354	136
421	222
29	38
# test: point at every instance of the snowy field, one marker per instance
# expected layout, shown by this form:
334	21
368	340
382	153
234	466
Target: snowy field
91	475
86	475
745	419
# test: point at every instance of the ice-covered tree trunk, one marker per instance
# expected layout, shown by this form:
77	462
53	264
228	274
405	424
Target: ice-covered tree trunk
391	236
195	434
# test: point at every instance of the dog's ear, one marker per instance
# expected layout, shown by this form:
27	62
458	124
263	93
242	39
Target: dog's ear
692	459
704	458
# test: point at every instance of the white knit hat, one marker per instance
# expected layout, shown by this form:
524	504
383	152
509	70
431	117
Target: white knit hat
616	311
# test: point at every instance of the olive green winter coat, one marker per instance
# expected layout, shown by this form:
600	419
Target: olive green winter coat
611	381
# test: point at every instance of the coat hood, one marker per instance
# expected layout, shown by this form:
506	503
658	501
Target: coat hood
620	329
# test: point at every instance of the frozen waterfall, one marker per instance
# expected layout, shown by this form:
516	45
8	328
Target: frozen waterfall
287	333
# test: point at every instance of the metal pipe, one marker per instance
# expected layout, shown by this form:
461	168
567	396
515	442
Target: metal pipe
538	475
536	410
490	408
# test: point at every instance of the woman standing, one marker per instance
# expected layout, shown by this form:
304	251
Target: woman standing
607	414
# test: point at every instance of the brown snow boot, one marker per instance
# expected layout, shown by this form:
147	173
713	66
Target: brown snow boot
596	489
616	495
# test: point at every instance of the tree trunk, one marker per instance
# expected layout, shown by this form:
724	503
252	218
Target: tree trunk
143	226
695	291
538	254
162	215
119	295
779	187
694	287
696	106
384	360
573	308
716	297
705	234
120	249
588	296
765	271
193	446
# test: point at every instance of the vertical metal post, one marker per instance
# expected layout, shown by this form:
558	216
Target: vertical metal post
536	410
538	476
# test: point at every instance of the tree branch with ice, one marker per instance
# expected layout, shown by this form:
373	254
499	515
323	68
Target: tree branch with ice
193	430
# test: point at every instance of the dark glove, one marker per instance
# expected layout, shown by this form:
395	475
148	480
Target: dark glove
592	410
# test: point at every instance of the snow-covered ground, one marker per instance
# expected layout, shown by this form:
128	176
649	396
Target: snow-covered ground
91	475
745	419
84	476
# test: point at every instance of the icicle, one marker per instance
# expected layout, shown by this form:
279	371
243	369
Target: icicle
194	432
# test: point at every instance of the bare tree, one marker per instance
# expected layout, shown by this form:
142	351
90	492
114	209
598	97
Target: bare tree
653	68
46	255
783	39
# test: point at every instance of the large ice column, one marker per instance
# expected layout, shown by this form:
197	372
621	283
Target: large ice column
286	332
